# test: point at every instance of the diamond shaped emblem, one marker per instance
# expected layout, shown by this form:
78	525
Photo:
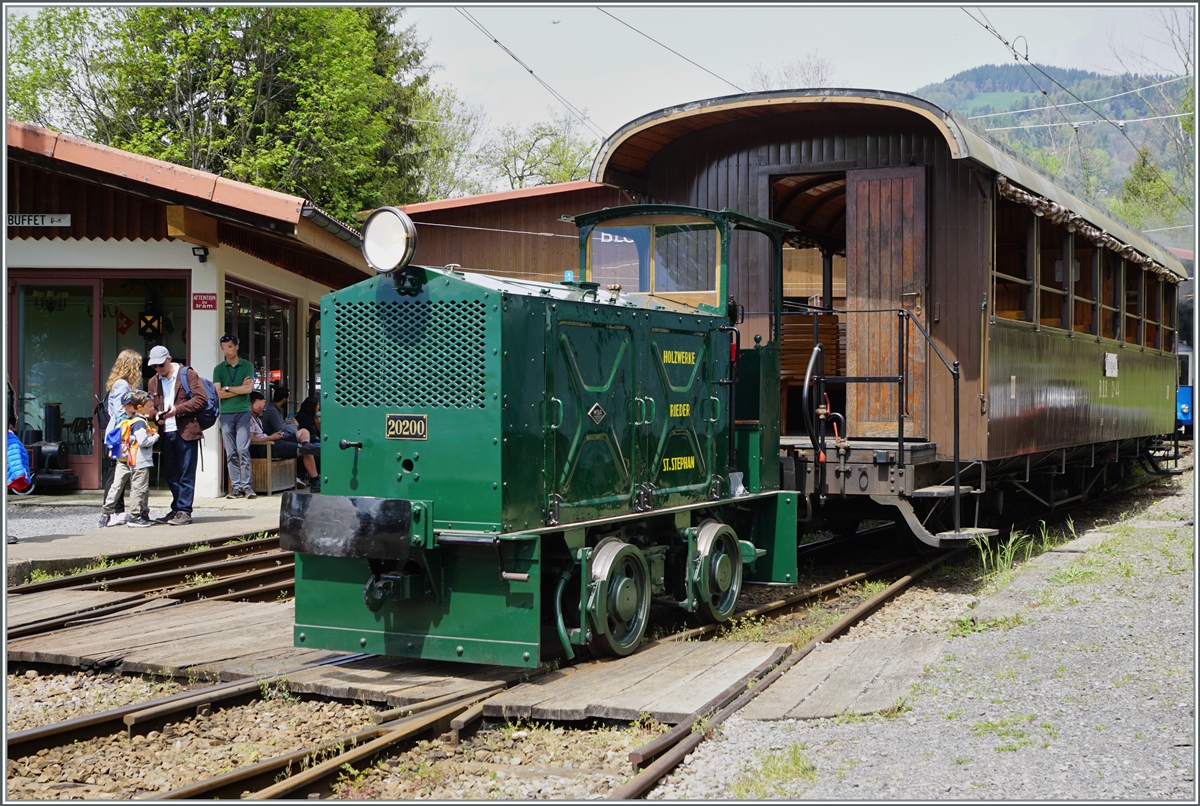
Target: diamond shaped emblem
596	413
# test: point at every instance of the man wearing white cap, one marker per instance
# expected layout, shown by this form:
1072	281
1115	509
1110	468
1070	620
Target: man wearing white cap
175	412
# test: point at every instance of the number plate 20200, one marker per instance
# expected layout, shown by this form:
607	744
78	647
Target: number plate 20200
407	426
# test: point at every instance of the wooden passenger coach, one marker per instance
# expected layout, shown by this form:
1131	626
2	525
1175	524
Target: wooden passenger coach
1062	319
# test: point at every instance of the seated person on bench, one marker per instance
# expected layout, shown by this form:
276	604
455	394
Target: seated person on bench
285	445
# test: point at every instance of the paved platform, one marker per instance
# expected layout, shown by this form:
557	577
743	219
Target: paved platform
58	553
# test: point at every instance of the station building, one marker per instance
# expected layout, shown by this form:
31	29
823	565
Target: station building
108	250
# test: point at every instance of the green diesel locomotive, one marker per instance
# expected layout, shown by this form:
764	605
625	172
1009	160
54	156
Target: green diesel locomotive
513	467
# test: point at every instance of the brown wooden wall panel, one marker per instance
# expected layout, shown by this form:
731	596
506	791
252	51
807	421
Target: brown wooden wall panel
475	236
96	211
732	165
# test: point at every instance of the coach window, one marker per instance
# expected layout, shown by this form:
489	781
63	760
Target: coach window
1110	293
1054	278
1133	303
1012	276
1153	309
1085	259
1168	316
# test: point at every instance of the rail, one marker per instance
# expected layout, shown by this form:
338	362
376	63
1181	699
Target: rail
903	319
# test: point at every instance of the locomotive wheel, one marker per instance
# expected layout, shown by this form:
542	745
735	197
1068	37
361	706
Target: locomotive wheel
622	599
720	578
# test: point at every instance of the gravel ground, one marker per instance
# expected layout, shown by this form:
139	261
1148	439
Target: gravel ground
1089	696
32	521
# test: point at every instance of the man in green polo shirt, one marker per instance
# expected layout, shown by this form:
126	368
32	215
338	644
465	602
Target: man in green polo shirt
234	379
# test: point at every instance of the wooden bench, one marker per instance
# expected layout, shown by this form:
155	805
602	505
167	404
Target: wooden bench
269	475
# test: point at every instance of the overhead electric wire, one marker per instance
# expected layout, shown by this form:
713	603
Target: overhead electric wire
1073	103
1078	123
677	53
494	229
584	119
1016	56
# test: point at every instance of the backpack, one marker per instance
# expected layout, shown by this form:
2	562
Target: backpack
112	441
126	437
101	414
211	412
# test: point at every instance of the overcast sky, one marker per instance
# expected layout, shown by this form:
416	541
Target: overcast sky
617	74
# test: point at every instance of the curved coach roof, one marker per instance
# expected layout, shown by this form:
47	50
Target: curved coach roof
629	151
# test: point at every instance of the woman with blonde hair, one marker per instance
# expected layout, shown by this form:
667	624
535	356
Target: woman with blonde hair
125	376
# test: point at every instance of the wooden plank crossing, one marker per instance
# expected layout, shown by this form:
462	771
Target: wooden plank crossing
400	681
668	681
847	677
34	607
225	640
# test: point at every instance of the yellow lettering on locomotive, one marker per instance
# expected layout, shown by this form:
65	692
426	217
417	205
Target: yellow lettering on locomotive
670	463
678	357
681	409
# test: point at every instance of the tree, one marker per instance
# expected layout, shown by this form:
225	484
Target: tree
543	153
452	136
314	101
814	70
1146	197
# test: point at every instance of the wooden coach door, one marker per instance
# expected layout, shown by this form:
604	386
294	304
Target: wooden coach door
885	268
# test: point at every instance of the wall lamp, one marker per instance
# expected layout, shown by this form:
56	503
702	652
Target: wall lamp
201	252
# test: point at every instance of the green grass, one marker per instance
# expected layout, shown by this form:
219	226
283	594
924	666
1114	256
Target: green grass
103	564
777	776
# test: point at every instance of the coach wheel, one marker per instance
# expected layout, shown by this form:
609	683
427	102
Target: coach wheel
719	580
622	603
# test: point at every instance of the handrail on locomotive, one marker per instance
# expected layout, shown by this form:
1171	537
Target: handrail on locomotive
900	379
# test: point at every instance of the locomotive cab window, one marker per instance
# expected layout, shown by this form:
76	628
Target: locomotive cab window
677	257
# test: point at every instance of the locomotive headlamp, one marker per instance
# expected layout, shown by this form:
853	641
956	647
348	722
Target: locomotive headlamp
389	240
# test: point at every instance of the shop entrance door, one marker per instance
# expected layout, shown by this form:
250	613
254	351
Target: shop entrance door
54	375
264	325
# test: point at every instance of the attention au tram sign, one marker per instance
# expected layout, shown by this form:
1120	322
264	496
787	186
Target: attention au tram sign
39	219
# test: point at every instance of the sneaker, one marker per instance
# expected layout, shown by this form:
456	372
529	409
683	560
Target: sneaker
140	521
11	540
104	519
235	494
166	518
300	485
180	519
251	494
119	518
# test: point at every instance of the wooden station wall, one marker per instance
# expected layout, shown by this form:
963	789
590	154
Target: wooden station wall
506	237
734	164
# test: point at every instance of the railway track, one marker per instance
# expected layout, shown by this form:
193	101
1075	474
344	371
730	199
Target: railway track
249	570
313	769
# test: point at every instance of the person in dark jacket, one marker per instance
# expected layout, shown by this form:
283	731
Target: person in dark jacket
175	414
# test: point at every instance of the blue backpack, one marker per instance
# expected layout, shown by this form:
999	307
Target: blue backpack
211	412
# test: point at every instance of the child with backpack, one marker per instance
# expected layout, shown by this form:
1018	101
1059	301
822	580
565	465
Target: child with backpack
135	457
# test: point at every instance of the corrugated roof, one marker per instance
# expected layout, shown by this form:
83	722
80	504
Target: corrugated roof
629	150
168	176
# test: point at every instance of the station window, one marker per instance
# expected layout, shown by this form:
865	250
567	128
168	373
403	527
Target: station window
1110	294
1153	309
1084	261
1133	304
1053	277
1168	316
1012	276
